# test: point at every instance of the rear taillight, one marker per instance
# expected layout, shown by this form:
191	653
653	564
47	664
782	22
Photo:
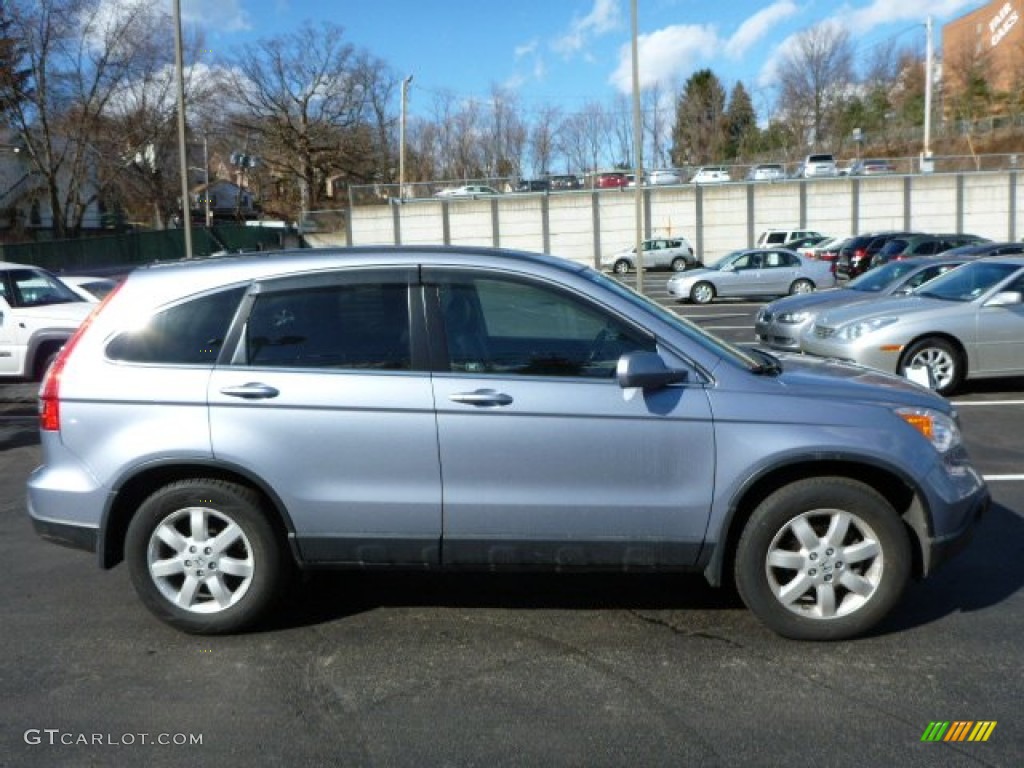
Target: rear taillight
49	389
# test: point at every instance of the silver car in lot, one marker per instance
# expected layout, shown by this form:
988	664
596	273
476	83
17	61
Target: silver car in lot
966	324
753	272
673	253
782	323
219	423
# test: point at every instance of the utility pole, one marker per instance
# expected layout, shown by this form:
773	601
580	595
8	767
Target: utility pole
186	208
401	141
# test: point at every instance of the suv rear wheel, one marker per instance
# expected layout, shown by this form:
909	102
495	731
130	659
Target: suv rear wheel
204	558
823	559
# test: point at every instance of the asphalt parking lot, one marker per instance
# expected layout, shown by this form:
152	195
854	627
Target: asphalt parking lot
417	670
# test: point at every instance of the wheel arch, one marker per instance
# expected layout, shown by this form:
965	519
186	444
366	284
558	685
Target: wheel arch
132	490
958	347
899	490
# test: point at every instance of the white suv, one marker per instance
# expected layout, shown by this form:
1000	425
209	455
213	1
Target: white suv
38	313
774	237
711	175
819	166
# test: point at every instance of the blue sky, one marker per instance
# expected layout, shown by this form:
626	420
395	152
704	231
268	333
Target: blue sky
568	52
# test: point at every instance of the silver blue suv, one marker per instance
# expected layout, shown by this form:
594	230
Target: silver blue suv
218	424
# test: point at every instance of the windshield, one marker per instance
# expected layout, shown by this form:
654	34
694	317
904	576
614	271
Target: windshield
727	260
968	282
36	288
699	336
880	278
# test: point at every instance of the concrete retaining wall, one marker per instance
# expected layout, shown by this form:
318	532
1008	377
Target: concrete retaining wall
715	218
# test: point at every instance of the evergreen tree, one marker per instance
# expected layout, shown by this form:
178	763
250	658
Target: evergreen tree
741	123
699	135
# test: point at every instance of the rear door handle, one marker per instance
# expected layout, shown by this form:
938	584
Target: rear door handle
481	397
251	391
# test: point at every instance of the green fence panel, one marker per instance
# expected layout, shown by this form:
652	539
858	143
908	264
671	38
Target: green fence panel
130	249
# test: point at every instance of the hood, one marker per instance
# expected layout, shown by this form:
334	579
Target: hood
819	377
72	313
692	274
816	299
883	306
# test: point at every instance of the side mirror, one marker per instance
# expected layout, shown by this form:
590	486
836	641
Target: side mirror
646	370
1005	299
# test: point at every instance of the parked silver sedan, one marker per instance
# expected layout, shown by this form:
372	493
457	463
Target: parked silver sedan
753	272
781	323
966	324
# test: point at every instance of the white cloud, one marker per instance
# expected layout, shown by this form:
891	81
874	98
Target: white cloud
666	54
219	16
879	12
604	17
757	26
526	49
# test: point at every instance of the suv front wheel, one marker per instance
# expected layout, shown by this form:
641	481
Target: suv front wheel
823	559
204	558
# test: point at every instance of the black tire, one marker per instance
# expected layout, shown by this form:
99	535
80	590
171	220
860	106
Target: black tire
804	578
44	359
680	264
621	267
702	293
254	558
941	357
801	285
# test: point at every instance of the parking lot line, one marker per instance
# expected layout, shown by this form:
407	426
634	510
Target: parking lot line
959	403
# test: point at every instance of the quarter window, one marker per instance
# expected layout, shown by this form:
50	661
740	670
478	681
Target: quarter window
189	333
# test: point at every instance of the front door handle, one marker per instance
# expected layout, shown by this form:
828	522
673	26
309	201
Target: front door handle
251	391
481	397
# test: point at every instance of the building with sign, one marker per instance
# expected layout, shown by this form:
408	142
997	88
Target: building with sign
986	45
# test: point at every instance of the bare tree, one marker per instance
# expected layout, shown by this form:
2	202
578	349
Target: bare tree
79	55
544	140
968	93
657	127
304	99
505	136
815	78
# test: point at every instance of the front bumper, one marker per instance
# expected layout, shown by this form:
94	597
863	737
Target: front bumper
939	549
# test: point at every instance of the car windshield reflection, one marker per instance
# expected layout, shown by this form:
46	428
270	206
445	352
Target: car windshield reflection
969	282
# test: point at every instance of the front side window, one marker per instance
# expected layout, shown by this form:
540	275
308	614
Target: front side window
508	327
359	326
190	333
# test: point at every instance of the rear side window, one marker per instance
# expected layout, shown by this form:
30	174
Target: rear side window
191	333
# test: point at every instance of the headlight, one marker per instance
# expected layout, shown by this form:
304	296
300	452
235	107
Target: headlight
854	331
794	318
938	428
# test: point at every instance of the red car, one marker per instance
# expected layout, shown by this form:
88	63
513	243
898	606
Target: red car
610	181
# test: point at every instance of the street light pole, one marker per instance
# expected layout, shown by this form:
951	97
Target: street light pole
926	156
206	169
638	145
401	140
